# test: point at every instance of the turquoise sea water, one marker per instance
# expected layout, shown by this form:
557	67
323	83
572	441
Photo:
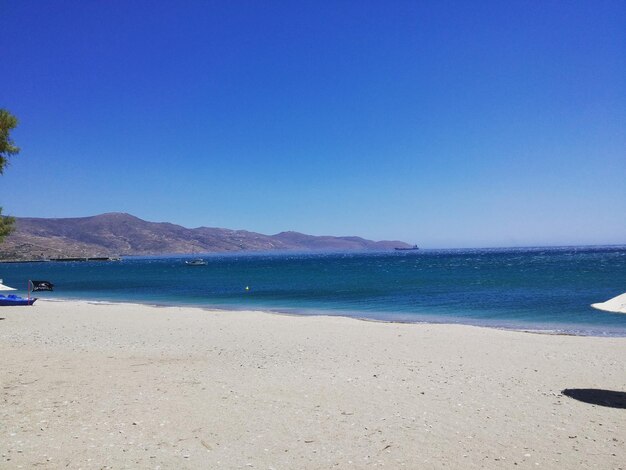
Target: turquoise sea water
535	288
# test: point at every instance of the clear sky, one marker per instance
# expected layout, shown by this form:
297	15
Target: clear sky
446	124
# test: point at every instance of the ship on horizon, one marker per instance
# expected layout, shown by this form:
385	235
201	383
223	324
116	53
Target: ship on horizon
411	248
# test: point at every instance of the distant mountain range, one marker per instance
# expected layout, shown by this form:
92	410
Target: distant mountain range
118	234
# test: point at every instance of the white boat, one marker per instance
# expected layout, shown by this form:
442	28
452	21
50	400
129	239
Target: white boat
195	262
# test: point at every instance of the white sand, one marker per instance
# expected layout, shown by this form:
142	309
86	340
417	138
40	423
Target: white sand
129	386
616	304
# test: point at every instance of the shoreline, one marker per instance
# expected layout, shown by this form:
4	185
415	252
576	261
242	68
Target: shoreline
325	313
482	289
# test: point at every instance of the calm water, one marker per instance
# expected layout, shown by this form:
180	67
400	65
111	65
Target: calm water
542	289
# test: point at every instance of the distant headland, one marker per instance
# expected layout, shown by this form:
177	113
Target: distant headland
119	234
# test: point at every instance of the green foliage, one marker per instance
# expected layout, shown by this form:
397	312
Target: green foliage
6	225
8	122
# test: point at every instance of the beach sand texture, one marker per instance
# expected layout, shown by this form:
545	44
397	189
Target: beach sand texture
128	386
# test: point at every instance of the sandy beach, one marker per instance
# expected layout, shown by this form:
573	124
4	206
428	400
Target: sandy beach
88	385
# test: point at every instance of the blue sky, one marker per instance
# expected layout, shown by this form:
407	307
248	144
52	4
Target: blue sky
447	124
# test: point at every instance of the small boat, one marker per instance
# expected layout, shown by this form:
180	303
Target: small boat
196	262
411	248
10	300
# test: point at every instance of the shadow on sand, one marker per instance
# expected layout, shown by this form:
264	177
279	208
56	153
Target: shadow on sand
596	396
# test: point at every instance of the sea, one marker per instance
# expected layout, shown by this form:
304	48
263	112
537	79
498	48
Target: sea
537	289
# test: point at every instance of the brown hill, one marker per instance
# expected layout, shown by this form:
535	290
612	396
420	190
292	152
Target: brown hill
117	234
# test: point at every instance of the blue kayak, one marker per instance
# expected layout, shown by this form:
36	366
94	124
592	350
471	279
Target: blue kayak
15	300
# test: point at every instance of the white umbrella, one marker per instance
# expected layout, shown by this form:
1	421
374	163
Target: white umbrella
616	304
3	287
